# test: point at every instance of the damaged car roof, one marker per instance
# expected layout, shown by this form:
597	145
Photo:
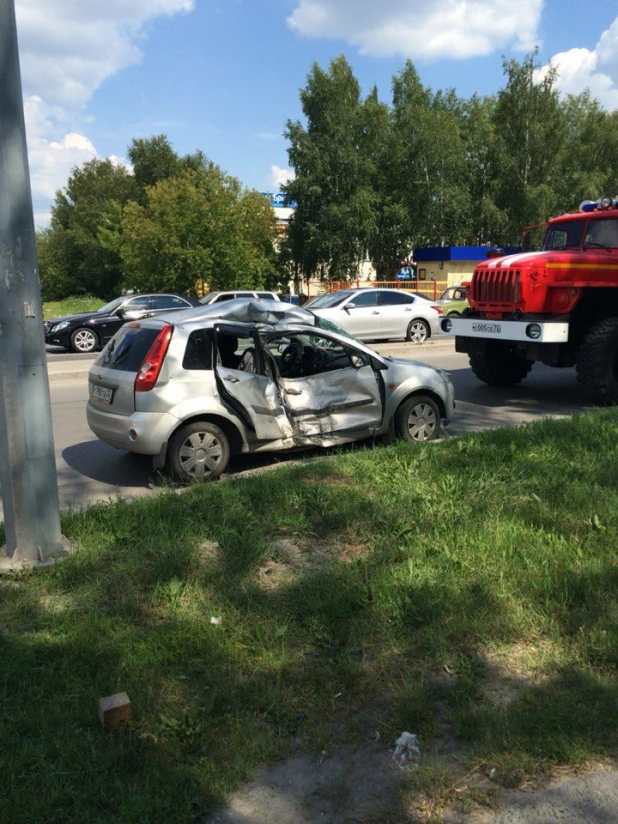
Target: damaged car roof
267	312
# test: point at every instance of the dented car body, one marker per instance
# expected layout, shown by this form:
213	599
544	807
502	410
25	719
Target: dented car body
194	387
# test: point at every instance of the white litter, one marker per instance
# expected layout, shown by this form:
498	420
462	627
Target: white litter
406	749
215	620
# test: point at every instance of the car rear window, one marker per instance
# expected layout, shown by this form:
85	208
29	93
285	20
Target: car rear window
128	348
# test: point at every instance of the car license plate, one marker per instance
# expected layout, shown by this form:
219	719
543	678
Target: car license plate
103	393
488	328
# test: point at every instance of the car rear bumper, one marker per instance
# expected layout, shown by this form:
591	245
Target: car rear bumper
143	432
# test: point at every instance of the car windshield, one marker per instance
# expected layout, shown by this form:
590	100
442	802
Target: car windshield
329	326
109	307
328	301
208	297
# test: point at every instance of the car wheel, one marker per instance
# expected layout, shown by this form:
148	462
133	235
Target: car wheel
418	331
418	419
84	340
199	451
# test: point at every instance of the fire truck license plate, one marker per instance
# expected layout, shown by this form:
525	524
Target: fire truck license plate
489	328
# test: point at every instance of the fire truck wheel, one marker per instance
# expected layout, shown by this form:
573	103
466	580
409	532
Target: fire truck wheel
597	362
496	364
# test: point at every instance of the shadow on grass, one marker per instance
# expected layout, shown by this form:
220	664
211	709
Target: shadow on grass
132	610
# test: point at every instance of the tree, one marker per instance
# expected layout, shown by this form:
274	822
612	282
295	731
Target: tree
531	126
154	159
430	171
198	226
72	258
331	226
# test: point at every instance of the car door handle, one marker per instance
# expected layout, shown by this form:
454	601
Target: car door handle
293	391
407	309
230	378
375	313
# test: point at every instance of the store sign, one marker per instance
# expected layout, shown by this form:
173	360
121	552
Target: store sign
277	200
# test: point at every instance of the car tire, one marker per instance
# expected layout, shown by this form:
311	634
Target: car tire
597	363
418	419
84	340
453	315
199	451
418	331
496	364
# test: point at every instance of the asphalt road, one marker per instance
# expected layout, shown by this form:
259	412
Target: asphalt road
90	471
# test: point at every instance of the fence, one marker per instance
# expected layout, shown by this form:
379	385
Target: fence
430	288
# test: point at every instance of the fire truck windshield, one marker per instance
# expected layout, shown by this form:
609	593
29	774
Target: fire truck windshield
601	233
567	235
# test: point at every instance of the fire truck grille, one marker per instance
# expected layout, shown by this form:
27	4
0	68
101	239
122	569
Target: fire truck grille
497	288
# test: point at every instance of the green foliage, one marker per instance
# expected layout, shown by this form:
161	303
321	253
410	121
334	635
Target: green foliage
70	306
198	226
432	169
72	260
330	230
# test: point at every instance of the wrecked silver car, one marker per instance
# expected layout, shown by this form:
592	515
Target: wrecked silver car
192	388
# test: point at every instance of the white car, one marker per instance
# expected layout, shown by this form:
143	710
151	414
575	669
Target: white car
374	314
218	297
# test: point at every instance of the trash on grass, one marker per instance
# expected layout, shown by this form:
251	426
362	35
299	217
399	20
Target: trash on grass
216	620
406	748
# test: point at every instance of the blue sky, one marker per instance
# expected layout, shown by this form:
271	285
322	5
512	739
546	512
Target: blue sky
224	75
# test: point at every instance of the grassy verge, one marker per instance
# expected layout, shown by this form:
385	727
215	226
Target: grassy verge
464	591
70	306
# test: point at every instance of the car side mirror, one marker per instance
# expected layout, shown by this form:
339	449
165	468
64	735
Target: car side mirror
349	306
120	313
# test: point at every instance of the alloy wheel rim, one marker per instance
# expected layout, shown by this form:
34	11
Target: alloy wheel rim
200	454
422	422
418	332
85	341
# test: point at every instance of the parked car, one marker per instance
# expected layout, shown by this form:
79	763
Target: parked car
89	331
453	301
192	389
374	314
217	297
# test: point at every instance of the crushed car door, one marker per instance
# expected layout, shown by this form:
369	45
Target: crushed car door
330	388
255	397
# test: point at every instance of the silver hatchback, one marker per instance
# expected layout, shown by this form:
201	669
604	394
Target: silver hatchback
194	387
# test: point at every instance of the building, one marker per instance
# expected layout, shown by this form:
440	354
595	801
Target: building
452	264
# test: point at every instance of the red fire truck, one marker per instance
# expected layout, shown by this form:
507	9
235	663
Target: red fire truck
558	306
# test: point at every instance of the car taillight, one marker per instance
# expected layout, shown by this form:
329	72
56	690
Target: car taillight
150	368
438	309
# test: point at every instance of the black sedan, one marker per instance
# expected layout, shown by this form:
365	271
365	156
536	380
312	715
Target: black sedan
91	330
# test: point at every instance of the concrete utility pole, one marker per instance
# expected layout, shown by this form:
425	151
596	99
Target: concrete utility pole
27	464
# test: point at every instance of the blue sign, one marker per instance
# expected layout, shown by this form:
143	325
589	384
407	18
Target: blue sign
277	200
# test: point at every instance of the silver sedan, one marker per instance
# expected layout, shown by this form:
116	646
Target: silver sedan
380	314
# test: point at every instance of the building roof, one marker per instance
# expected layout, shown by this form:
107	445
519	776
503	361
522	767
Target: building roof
458	252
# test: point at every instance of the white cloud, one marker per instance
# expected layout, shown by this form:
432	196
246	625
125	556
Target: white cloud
280	177
595	69
67	49
422	28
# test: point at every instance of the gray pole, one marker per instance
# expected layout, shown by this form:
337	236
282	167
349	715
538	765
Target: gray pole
27	464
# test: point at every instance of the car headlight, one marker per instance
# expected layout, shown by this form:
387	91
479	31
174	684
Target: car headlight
60	326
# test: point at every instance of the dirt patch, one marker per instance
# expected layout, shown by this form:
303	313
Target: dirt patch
293	556
346	786
511	671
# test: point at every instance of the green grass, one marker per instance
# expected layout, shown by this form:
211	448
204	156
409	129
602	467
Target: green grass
429	579
70	306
